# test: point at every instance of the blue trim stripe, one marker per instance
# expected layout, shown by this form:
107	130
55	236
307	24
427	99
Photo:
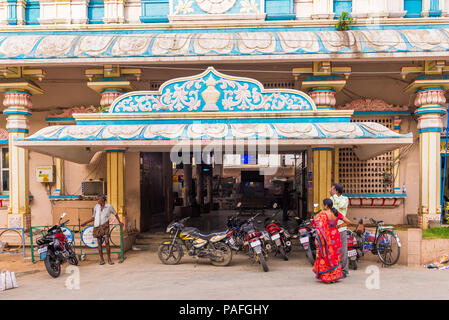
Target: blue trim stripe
322	148
3	197
191	121
59	119
63	197
321	90
429	130
370	113
18	91
19	130
122	151
2	142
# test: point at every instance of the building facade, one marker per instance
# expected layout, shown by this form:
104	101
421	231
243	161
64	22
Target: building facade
64	63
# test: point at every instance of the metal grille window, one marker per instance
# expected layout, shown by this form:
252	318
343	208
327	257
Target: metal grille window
366	176
5	170
279	84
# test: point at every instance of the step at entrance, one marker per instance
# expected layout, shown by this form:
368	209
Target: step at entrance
149	241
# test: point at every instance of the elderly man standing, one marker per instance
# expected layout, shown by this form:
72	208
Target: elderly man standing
341	204
101	215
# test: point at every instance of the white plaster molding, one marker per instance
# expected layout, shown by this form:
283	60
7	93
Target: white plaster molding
79	11
360	9
114	11
444	5
216	17
54	12
3	12
323	9
396	8
378	8
21	4
425	8
133	11
303	9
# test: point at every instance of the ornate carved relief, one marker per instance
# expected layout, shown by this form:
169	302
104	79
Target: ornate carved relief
371	105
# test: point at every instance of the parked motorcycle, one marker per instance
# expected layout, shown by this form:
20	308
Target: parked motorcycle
55	249
279	236
307	234
197	244
257	250
354	249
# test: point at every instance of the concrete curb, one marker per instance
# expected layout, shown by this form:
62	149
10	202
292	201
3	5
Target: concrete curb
24	273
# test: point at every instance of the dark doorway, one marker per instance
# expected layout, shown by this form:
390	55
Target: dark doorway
152	216
301	183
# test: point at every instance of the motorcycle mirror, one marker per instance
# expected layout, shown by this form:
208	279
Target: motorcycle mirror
239	205
258	221
315	205
275	205
63	215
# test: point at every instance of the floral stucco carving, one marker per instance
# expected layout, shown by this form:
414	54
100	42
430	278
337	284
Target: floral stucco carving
371	105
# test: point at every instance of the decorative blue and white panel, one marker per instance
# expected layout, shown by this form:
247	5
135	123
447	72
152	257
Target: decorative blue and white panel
211	131
214	7
212	91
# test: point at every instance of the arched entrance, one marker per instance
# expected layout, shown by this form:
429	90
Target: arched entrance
210	114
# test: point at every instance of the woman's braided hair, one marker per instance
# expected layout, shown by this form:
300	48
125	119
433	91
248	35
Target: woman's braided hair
330	204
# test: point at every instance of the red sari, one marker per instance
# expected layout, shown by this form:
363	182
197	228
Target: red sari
327	265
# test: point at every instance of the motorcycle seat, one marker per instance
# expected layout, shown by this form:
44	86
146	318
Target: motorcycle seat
208	236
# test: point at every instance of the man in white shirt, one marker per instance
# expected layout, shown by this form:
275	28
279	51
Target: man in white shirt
101	214
341	204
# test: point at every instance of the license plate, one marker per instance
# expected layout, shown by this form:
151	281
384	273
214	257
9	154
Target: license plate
352	253
42	250
276	236
255	243
304	239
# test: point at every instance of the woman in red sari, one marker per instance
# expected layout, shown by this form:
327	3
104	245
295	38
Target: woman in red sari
327	265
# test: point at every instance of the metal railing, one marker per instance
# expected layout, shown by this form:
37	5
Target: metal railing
81	247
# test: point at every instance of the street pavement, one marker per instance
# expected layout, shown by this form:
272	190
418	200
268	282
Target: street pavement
143	276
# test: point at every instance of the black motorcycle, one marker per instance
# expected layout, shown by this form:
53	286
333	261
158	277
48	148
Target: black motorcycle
55	249
197	244
255	242
278	236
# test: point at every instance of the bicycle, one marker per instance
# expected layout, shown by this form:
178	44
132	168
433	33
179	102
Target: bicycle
385	243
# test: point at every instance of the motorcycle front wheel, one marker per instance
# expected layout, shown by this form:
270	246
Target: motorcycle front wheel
170	258
310	256
263	262
282	252
225	256
52	265
73	260
353	264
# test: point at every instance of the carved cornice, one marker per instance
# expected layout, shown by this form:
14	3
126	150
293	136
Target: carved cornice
68	113
371	105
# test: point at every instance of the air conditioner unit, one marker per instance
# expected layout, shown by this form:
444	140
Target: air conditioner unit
93	187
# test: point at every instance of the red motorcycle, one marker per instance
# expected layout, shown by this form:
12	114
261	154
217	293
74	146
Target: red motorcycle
354	249
55	249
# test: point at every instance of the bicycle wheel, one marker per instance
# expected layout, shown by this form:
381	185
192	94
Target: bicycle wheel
111	237
11	240
388	248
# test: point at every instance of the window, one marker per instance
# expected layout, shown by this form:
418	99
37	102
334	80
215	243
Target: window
5	169
342	6
368	176
413	8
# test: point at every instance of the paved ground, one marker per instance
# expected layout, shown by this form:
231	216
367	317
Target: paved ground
143	276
